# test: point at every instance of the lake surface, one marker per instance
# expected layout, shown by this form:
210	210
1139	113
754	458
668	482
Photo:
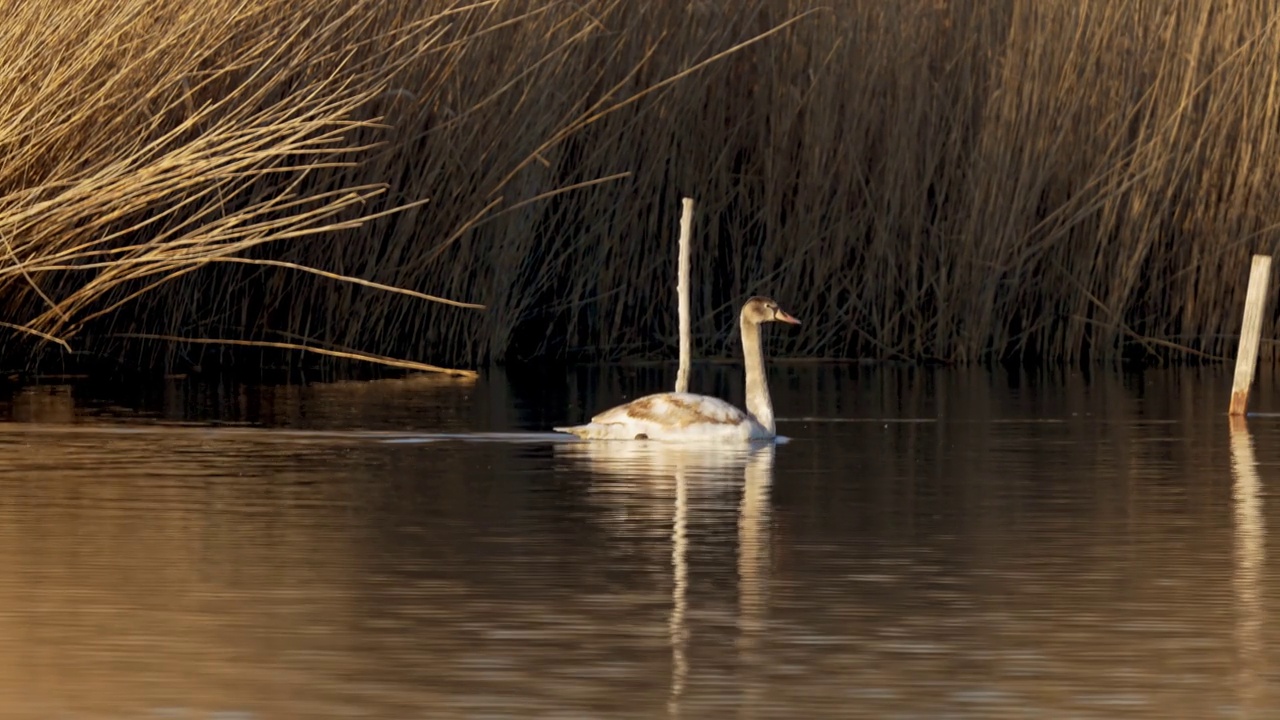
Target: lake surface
929	544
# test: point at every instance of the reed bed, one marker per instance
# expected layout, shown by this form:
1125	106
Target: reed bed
443	184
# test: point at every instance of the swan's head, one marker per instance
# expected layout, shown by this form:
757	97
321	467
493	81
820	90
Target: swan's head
762	310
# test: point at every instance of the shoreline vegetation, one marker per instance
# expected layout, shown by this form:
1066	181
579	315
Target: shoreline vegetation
433	185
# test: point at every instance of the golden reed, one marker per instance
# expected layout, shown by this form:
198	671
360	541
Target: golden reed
952	180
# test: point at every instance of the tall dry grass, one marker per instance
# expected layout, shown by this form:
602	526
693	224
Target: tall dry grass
932	179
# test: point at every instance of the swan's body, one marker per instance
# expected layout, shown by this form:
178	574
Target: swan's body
692	417
672	416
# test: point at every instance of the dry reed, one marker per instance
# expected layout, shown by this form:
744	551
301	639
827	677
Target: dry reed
955	180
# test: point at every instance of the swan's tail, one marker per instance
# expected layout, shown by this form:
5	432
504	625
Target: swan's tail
594	431
572	429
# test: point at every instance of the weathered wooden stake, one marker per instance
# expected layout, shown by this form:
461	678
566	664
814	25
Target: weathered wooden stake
682	294
1255	305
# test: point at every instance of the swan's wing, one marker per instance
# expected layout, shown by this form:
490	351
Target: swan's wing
673	410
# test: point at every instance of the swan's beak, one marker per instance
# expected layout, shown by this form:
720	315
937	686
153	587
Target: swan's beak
781	316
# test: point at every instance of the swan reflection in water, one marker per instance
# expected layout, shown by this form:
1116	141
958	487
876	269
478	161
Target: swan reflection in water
649	481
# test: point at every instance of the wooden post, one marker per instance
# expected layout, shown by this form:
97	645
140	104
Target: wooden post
1255	305
682	296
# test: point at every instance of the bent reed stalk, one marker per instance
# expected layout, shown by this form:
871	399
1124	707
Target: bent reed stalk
952	180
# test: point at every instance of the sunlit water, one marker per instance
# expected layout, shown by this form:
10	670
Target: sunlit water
929	544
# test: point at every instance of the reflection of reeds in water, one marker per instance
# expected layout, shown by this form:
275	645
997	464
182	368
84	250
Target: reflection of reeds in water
162	570
419	402
433	402
44	404
1250	552
657	480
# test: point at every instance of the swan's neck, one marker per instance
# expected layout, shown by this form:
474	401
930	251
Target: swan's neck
759	405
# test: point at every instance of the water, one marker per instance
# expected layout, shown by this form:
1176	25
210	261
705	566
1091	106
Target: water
929	544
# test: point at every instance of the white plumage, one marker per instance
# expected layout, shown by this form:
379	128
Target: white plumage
671	416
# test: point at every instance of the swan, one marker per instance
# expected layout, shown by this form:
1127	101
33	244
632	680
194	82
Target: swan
689	416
